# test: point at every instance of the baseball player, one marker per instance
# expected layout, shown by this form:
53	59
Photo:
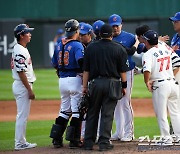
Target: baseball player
23	75
85	38
123	112
68	61
175	43
96	29
159	79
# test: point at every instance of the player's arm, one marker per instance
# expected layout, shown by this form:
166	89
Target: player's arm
175	71
147	80
85	81
24	80
124	82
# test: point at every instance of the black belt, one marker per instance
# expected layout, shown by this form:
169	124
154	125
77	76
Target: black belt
105	77
165	79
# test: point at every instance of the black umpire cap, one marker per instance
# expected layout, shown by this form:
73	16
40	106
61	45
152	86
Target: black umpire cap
106	31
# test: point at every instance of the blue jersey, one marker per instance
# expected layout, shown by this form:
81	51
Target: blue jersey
73	51
127	40
176	41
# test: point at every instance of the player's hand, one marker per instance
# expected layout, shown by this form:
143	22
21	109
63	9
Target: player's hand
164	38
124	91
149	85
137	42
137	70
175	47
85	90
31	94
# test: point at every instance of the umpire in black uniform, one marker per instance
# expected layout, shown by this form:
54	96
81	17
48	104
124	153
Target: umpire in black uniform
105	67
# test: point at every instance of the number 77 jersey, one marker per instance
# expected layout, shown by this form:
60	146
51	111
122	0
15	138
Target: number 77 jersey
158	61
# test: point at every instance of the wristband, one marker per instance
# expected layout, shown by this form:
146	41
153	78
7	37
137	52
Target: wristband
124	84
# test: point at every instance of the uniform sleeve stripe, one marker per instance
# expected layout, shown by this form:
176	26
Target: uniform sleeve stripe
20	56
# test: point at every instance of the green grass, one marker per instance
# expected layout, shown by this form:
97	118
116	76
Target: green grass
46	85
38	131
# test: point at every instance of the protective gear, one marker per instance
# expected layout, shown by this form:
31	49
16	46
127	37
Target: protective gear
57	131
70	132
22	28
73	133
83	106
71	26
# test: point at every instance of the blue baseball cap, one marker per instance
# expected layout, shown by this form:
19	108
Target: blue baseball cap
60	31
176	17
151	36
85	28
97	26
115	20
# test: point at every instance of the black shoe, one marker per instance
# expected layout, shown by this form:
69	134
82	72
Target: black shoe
57	143
105	146
87	147
75	144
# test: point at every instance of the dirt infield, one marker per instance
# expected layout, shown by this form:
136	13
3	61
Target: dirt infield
48	109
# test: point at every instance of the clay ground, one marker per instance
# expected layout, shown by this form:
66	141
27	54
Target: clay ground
48	110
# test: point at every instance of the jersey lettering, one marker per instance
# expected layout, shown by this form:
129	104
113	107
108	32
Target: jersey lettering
66	58
161	60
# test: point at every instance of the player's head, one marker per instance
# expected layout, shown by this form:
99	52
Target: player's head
151	37
85	33
116	22
140	31
176	21
60	31
71	28
21	29
106	31
97	26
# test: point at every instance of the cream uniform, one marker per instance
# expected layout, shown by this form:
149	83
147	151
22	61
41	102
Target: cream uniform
165	90
21	61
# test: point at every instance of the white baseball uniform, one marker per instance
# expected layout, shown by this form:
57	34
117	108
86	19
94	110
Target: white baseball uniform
158	61
21	61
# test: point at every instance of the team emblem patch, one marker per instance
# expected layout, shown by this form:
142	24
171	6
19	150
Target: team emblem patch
115	19
21	61
69	48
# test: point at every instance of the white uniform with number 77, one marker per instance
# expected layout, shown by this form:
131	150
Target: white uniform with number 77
157	61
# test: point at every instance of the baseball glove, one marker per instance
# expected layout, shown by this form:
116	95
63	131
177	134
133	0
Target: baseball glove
83	106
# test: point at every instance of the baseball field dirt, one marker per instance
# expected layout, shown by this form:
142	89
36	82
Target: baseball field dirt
48	110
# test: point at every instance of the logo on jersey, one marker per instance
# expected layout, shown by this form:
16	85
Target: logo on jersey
69	47
21	61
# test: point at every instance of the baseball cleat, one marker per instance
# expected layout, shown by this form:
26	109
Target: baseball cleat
25	146
114	137
127	139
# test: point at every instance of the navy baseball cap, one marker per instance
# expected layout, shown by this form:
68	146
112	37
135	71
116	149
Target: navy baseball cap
151	36
106	31
115	20
176	17
85	28
97	26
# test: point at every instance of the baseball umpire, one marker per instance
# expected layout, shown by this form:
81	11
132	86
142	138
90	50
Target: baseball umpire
105	63
68	61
